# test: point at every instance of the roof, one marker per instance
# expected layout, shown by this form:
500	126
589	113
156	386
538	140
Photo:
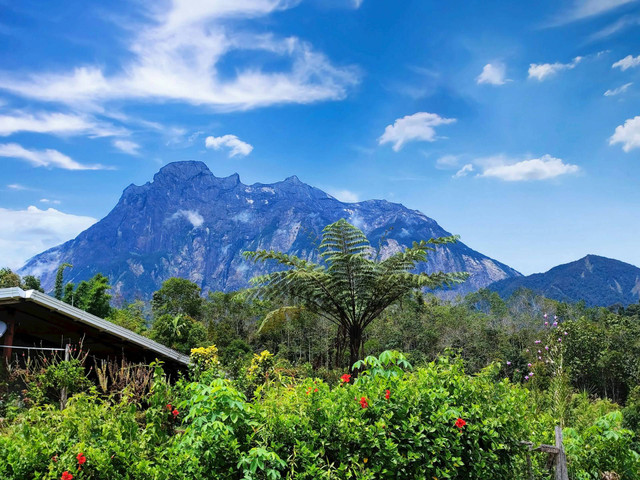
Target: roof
16	295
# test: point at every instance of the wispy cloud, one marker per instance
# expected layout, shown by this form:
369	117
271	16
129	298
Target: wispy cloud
17	187
236	146
493	74
617	91
62	124
464	171
627	62
627	21
31	231
417	127
346	196
582	9
44	158
448	162
48	200
192	216
543	168
627	134
127	146
177	55
542	71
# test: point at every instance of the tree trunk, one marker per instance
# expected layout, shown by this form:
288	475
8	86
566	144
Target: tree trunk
355	344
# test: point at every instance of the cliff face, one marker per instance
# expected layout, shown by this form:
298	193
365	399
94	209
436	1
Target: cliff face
189	223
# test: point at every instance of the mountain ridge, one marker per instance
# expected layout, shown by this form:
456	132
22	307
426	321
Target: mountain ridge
599	281
187	222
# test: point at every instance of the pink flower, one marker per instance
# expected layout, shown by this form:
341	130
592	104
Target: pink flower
508	362
529	365
546	348
526	377
537	342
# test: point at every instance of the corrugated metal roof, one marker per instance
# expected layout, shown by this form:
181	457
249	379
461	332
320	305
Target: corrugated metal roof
15	295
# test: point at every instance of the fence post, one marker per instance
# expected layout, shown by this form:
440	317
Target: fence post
63	393
561	458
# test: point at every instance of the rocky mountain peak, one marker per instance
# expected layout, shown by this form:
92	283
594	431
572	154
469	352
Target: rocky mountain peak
189	223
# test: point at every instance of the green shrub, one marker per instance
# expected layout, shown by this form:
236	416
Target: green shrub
396	426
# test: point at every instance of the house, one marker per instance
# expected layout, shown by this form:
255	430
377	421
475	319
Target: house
33	319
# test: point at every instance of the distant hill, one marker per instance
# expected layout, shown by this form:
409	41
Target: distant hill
189	223
599	281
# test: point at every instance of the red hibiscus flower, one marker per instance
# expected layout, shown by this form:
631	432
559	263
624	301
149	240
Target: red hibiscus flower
387	394
175	413
66	476
81	459
363	402
169	407
460	423
346	378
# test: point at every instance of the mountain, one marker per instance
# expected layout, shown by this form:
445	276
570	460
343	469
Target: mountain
599	281
189	223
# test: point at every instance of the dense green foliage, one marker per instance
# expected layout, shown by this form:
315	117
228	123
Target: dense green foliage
8	279
90	295
393	421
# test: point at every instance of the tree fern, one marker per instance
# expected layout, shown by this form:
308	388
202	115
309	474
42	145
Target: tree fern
351	288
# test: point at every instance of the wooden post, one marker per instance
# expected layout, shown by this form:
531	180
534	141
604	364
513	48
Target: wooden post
561	458
63	393
529	466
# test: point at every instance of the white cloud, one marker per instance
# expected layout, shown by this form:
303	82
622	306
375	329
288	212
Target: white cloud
56	124
627	62
127	146
43	158
617	91
416	127
233	143
628	134
192	216
47	200
17	186
464	171
28	232
540	71
543	168
581	9
346	196
493	74
357	3
177	55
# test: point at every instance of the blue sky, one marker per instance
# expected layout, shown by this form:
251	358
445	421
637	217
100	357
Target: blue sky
513	124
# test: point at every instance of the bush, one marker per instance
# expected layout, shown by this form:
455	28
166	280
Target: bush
396	426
